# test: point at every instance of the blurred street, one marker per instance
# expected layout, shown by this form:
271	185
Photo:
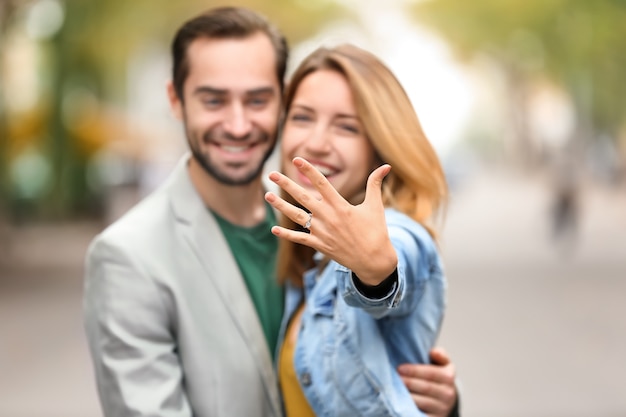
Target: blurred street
536	328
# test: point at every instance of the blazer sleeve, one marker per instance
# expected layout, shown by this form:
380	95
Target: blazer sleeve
130	337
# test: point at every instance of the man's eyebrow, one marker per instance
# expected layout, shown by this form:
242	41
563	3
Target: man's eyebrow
210	90
223	91
260	91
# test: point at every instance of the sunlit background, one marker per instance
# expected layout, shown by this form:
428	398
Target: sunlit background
524	100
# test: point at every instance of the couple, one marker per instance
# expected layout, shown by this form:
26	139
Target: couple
182	306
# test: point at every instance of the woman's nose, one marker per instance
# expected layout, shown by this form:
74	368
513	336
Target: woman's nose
319	140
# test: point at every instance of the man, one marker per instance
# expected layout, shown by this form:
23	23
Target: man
181	306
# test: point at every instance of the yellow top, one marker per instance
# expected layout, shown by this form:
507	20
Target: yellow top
296	404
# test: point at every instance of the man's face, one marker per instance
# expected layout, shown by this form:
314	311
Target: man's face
231	106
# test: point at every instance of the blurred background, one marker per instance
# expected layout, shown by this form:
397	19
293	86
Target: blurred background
525	101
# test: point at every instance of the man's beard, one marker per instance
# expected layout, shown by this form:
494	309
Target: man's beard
222	177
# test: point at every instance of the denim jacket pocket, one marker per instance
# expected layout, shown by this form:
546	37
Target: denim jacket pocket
359	392
323	304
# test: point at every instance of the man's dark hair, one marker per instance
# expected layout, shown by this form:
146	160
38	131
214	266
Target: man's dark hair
225	23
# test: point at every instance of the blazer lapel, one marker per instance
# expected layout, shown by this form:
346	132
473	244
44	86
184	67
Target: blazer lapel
205	238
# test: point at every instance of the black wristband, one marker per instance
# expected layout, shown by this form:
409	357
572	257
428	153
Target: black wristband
376	291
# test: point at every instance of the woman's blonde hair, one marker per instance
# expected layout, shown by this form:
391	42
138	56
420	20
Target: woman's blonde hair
416	184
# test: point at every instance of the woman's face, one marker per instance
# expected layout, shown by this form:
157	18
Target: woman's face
322	127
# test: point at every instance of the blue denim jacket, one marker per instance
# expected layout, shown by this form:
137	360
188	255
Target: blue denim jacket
349	346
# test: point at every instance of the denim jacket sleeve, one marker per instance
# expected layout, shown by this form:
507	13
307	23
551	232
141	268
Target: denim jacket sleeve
417	259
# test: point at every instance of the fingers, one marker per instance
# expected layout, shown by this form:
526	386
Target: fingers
438	356
318	180
373	192
433	373
433	398
297	192
294	213
326	210
429	388
430	406
294	236
324	187
375	179
432	386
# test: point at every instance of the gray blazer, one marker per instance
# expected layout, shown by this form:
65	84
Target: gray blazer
171	328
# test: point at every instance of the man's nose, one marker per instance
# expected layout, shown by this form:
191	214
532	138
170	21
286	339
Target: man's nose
237	122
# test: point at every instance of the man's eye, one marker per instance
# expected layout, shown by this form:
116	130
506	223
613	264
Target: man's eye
257	102
212	102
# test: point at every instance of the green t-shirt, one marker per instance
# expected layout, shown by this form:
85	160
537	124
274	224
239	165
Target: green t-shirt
254	249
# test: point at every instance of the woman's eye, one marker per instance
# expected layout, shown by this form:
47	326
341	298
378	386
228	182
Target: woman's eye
349	128
300	117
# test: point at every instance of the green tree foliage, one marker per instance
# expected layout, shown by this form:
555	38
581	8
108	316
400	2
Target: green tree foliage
7	9
578	44
91	52
115	29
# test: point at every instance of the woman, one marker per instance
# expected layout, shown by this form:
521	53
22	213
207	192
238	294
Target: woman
365	286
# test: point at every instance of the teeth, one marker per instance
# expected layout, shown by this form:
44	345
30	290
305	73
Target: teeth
324	170
234	149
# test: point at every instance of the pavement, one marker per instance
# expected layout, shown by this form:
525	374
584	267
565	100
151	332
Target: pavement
44	363
535	327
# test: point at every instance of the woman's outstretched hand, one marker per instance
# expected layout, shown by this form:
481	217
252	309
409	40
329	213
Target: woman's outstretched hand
354	236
